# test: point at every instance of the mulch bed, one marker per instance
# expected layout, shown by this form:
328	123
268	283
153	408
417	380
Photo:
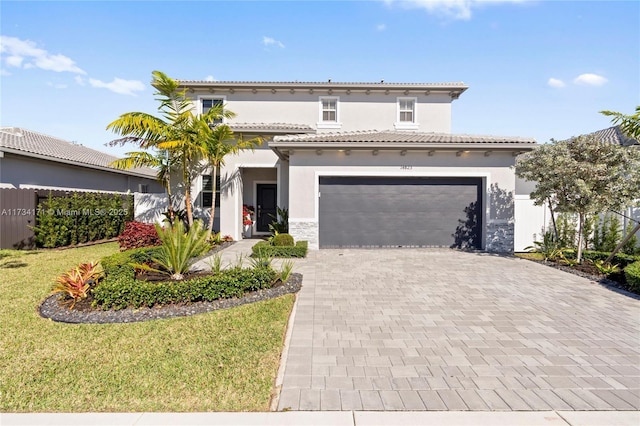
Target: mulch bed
58	310
615	282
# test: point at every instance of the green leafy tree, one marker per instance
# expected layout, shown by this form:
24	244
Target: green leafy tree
630	126
582	175
216	143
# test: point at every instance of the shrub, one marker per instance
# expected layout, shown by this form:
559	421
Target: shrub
124	291
80	218
121	263
548	247
137	235
620	258
280	222
608	234
632	275
179	249
76	282
263	248
282	240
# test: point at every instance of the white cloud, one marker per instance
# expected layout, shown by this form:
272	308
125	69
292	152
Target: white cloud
210	78
81	81
25	54
57	86
456	9
118	85
590	80
4	73
269	41
14	61
381	27
554	82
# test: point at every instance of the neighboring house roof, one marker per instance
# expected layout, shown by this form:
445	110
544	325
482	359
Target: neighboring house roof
271	128
33	144
614	136
454	88
400	140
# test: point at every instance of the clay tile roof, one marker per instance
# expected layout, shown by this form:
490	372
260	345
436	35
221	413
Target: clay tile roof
271	127
615	136
41	145
392	137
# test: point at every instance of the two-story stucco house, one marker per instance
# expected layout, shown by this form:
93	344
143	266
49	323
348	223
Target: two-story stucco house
362	165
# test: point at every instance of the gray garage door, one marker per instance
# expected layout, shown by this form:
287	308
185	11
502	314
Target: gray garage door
406	212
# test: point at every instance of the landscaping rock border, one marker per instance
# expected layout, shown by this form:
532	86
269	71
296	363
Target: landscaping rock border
52	309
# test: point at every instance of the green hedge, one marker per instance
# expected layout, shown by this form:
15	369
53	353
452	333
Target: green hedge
620	259
632	275
121	290
80	218
119	263
265	249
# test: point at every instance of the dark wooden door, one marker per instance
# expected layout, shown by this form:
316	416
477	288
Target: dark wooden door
267	197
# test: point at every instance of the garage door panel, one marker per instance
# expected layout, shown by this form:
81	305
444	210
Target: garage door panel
359	211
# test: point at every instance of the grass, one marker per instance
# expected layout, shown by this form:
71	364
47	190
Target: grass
530	255
221	361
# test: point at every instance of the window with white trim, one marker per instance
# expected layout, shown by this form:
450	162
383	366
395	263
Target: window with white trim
329	112
207	103
406	115
207	191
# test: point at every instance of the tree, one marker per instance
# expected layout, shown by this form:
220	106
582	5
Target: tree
582	175
176	131
216	143
629	124
161	161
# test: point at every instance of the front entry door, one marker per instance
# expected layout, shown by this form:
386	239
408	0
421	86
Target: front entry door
267	197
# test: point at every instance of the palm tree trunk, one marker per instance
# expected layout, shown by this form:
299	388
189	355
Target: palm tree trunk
214	188
187	195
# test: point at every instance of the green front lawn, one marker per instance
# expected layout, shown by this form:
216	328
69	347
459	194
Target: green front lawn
220	361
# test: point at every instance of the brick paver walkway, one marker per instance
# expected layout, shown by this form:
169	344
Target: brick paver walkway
420	329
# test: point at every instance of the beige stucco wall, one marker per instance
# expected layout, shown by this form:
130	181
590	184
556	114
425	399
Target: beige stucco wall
356	111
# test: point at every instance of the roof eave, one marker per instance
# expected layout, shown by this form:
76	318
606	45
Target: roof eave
434	87
493	146
282	149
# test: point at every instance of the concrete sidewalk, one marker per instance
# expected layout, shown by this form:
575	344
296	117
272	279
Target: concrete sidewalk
332	418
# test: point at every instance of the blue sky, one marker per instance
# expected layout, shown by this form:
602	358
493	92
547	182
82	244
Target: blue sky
540	69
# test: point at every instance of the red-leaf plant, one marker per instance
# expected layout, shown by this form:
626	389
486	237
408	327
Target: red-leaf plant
77	282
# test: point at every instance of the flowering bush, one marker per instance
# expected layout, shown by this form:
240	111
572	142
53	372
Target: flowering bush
137	235
247	212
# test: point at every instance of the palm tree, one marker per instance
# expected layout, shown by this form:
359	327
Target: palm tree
629	124
216	143
173	132
161	161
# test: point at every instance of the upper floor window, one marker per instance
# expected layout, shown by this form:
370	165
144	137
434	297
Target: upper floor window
406	118
207	103
329	112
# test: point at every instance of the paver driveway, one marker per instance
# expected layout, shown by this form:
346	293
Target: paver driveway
421	329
